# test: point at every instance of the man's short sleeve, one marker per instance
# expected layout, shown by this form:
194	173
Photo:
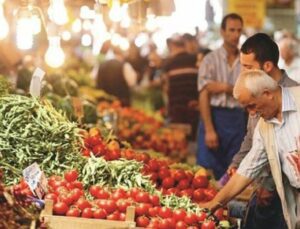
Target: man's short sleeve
256	159
205	73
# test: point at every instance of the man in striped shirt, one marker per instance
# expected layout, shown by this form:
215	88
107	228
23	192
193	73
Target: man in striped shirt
222	126
261	52
275	142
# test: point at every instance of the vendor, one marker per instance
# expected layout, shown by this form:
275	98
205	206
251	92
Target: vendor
276	142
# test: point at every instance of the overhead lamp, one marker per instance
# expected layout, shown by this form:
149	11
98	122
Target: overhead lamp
115	13
24	28
55	56
57	12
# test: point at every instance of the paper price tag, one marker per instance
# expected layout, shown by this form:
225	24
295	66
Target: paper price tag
36	180
36	82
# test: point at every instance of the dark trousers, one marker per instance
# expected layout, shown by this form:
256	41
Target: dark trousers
265	217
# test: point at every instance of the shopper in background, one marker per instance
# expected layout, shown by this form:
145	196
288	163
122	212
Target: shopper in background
223	121
261	52
116	77
181	84
289	50
275	144
191	43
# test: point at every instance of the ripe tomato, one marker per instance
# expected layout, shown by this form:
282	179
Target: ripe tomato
209	193
83	203
142	221
198	195
122	205
181	225
66	198
202	216
111	206
208	224
51	196
219	213
153	165
179	175
60	208
99	150
187	192
73	212
142	197
153	212
179	214
164	173
142	209
102	194
165	212
200	182
71	175
190	218
76	194
114	216
100	213
154	200
91	141
168	182
87	213
94	189
78	184
183	184
129	154
85	152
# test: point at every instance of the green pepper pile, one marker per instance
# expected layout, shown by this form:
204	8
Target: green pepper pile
33	131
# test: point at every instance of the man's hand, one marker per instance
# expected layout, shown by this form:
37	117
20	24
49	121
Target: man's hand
211	205
211	139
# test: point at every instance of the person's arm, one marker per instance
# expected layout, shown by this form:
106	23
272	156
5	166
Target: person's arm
211	137
246	144
215	87
235	185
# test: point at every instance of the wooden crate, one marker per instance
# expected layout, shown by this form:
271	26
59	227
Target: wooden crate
65	222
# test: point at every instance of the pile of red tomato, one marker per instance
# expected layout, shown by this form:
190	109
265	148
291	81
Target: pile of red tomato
70	200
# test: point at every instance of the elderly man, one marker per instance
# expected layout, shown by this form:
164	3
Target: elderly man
276	142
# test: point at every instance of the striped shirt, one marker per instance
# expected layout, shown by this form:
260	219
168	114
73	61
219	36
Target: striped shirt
214	67
287	134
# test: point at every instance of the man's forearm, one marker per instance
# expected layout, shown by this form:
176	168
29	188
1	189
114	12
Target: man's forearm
215	87
235	185
205	111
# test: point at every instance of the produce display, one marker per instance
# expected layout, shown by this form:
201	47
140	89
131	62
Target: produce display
145	132
14	215
33	131
95	172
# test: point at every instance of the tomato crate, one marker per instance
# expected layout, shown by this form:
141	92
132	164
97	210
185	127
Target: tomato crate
65	222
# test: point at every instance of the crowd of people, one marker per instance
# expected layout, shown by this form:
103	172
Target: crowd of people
243	106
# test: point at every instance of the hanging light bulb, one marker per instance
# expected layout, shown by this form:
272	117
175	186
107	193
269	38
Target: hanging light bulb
24	29
55	56
57	12
86	40
3	23
115	13
125	23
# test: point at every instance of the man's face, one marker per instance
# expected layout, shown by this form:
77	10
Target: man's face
232	32
261	105
248	62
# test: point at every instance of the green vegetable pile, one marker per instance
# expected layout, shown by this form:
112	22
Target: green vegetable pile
33	131
120	173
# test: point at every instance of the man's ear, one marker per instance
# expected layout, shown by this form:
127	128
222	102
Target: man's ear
267	93
268	66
